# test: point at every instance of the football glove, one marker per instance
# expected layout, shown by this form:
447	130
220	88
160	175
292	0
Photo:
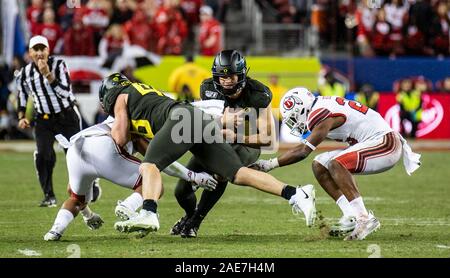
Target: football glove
203	180
265	165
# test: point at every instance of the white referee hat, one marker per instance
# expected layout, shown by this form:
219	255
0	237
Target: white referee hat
38	40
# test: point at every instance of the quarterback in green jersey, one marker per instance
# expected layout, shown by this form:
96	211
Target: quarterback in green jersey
175	128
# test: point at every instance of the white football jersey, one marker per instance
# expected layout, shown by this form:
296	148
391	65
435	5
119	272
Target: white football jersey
361	122
101	129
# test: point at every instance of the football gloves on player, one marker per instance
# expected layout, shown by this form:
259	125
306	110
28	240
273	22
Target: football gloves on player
265	165
203	180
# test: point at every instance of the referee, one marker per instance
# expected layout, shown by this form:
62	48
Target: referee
47	80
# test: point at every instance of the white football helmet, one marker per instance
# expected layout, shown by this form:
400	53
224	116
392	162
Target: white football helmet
295	107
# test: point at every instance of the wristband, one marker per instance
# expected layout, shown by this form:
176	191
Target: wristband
274	163
307	143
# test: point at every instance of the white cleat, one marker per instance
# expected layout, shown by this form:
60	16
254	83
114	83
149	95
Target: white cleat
143	223
52	236
304	201
123	212
364	227
345	225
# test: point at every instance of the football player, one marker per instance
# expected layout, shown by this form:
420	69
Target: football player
373	148
175	128
230	84
93	154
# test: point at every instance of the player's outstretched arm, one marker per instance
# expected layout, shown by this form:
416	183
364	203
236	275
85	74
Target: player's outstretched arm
204	180
301	151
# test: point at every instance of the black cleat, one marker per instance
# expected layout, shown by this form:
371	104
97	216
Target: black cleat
49	202
191	227
178	227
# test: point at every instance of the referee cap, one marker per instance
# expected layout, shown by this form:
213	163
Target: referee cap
38	40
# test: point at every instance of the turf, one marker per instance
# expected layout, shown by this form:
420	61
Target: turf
414	212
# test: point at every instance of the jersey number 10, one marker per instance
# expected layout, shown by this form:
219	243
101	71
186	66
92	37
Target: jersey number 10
353	104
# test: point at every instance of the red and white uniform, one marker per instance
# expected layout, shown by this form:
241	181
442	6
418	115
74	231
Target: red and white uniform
374	146
92	153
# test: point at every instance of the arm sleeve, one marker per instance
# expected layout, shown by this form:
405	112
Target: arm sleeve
177	170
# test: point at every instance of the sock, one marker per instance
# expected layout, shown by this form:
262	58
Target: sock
209	199
150	205
63	219
288	191
86	212
186	197
134	201
345	206
359	208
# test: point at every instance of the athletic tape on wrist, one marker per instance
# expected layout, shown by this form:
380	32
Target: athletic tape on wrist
307	143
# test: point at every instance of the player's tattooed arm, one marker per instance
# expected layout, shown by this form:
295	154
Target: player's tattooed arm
121	126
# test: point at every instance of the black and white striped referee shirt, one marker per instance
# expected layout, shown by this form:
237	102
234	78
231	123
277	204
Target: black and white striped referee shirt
48	98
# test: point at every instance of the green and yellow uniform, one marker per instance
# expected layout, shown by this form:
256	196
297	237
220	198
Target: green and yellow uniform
174	130
255	95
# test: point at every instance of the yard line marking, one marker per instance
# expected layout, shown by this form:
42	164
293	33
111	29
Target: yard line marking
29	252
443	246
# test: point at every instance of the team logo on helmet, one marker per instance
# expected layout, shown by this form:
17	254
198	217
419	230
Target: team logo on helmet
290	102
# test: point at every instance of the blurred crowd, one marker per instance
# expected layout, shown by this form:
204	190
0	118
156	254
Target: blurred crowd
105	27
378	27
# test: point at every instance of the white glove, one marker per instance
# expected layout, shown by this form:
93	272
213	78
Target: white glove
265	165
203	180
95	222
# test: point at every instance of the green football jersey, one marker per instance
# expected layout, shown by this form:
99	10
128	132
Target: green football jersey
148	109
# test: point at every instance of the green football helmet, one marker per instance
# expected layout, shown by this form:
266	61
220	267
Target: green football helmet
110	89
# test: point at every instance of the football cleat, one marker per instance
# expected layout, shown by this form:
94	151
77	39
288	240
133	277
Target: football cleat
49	202
95	222
364	227
191	227
123	212
52	236
345	225
304	201
143	223
178	226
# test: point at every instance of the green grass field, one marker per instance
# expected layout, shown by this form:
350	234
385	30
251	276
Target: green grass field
414	213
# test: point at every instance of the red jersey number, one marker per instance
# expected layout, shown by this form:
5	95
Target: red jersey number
353	104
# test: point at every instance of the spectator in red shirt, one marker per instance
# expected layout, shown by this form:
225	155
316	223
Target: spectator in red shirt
113	42
139	30
79	39
33	12
210	33
170	28
51	30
